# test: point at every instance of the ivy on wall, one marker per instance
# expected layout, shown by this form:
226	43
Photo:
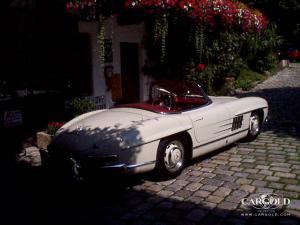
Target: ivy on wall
101	39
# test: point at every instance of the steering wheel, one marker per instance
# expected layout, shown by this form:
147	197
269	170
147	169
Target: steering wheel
163	101
167	101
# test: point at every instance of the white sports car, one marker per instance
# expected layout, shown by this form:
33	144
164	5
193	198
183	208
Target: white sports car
178	123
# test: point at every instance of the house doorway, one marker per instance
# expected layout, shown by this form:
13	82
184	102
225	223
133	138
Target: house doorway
130	72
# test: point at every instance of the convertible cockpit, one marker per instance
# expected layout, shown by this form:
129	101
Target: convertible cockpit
173	97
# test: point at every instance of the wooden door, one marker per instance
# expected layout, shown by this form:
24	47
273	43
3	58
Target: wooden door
130	72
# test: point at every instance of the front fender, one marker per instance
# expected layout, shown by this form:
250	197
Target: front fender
246	105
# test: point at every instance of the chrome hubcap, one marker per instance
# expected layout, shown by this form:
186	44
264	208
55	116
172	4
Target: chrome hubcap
173	157
254	124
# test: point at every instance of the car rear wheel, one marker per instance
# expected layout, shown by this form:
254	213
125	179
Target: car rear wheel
254	126
172	157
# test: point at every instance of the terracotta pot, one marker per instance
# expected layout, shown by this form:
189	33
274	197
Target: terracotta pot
43	139
229	81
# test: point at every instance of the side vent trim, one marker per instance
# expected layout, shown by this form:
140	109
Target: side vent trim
237	122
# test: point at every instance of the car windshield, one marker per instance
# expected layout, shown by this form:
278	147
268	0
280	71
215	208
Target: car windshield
178	95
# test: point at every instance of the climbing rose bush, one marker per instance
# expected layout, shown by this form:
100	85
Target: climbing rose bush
207	12
86	9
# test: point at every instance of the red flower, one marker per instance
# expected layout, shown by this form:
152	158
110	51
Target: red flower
76	6
68	6
55	124
201	67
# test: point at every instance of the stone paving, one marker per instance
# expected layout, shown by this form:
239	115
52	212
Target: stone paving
210	190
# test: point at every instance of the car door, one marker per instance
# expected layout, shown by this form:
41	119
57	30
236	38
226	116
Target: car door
211	123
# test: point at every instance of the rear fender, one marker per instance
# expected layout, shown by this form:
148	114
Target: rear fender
161	127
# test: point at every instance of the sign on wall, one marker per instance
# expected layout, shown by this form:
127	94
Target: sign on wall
12	118
99	101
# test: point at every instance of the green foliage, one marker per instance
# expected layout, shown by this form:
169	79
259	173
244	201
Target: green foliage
160	30
53	127
100	38
266	63
247	74
245	85
258	50
79	106
221	54
205	78
199	41
247	79
285	13
291	5
224	52
52	130
190	71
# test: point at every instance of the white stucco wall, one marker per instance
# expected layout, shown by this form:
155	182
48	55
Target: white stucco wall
98	82
129	33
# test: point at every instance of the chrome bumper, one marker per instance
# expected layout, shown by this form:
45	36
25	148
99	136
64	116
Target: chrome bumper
126	168
85	167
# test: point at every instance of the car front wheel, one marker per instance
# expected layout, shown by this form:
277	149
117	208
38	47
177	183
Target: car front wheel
171	157
254	126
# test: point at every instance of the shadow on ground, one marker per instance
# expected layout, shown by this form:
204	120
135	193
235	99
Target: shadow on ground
284	110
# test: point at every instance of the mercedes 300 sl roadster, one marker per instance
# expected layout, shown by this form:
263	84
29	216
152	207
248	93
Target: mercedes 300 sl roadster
178	123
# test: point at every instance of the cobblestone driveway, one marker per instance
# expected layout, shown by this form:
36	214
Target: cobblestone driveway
210	190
